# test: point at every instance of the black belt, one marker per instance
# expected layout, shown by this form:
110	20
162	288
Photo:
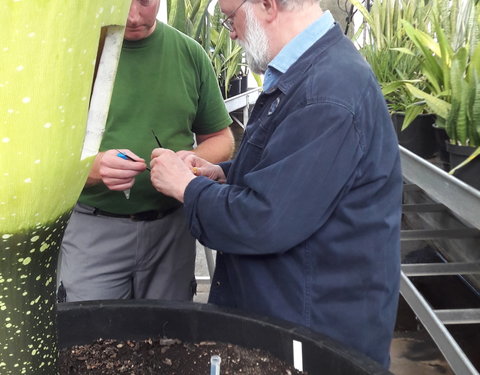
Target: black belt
139	216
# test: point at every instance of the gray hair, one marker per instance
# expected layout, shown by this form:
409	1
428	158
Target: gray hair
292	4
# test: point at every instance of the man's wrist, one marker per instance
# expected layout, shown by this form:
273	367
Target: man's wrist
180	193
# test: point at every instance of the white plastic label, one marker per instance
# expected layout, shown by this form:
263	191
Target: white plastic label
297	355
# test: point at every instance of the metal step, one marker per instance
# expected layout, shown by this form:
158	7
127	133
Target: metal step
440	269
430	234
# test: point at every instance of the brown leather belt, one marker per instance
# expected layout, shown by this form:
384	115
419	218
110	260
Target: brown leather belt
139	216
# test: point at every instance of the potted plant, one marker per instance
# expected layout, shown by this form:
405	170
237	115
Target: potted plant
451	67
227	58
195	323
192	18
383	42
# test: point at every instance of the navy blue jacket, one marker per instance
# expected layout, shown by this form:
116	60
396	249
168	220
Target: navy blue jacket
308	223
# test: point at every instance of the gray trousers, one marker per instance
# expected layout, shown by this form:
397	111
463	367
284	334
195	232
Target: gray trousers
117	258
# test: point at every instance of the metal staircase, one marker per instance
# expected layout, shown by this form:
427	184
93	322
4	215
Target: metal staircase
455	207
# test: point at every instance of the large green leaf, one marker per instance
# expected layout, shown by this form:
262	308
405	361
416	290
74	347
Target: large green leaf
440	107
177	15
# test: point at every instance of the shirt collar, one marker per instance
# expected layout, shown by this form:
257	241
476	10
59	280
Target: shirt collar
297	47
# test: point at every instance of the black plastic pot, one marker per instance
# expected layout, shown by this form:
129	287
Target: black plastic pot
469	173
82	323
441	138
419	136
237	86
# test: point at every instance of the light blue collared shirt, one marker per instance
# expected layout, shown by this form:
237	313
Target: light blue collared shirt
296	48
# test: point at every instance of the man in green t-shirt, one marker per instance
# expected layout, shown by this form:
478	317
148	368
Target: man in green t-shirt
124	239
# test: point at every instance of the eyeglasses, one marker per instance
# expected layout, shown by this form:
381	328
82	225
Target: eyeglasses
228	22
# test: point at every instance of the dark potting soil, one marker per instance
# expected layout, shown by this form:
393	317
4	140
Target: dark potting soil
167	356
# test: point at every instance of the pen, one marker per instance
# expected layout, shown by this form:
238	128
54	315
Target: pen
126	157
123	156
156	138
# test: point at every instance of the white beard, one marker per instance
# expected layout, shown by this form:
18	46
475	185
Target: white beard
255	43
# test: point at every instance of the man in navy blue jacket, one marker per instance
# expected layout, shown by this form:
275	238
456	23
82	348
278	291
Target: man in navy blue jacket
307	217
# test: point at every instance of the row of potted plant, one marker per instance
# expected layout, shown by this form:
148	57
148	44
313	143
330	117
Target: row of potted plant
193	18
426	57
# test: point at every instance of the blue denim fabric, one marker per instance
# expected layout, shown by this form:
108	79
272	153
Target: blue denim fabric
308	224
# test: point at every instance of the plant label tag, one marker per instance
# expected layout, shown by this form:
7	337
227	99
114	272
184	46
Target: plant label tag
297	355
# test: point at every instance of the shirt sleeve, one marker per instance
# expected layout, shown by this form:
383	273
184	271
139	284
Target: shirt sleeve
307	165
212	115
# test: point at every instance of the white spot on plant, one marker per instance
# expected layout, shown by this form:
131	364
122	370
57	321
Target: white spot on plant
31	35
6	236
20	68
5	140
47	125
27	180
26	261
26	100
34	239
37	161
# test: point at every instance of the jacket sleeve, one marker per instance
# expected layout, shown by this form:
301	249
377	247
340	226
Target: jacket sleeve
307	165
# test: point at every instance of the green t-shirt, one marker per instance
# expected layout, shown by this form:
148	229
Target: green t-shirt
164	82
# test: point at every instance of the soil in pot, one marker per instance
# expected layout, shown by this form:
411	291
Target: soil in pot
167	356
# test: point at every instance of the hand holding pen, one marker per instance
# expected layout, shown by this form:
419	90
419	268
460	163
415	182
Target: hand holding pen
118	172
119	167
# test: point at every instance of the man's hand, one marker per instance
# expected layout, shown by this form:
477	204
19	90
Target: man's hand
201	167
115	172
182	154
169	174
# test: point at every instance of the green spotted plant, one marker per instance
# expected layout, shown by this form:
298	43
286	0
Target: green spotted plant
48	51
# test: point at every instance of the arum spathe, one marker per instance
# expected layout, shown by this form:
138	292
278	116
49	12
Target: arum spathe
48	59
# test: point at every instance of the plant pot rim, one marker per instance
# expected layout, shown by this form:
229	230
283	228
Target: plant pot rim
460	149
83	322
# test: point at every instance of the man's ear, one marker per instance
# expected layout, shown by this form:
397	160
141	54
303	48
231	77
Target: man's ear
269	9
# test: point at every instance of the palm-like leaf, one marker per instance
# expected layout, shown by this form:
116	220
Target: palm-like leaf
390	52
451	65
